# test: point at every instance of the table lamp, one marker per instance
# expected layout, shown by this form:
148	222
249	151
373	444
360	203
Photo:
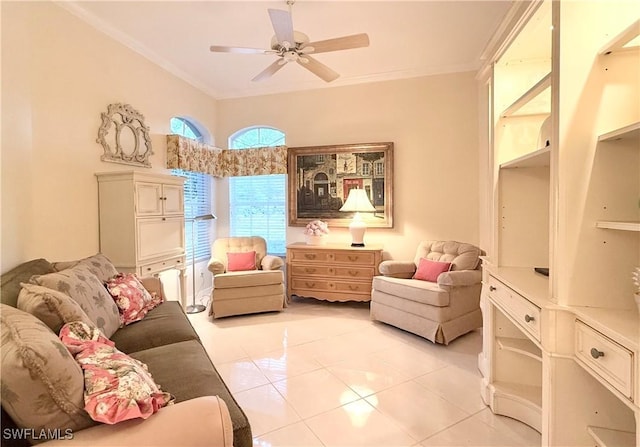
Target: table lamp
357	202
194	308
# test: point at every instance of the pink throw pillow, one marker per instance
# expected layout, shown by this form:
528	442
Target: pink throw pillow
241	261
132	299
117	386
430	270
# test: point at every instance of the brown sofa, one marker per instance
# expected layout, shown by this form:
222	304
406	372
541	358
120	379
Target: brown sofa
167	343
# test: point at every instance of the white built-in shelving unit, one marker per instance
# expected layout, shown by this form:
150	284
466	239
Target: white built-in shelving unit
562	353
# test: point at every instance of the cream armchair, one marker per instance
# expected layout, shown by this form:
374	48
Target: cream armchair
245	291
440	310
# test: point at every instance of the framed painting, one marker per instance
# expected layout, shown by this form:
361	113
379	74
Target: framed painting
320	178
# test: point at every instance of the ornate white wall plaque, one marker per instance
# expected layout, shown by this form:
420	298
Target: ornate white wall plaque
124	136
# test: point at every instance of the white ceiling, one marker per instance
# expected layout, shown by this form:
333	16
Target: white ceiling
407	39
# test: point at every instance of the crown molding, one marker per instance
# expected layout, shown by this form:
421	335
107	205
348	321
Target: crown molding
133	45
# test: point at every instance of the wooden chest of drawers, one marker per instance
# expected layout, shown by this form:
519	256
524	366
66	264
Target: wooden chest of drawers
332	272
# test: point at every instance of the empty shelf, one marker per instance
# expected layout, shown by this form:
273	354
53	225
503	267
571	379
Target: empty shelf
521	346
541	157
618	225
606	437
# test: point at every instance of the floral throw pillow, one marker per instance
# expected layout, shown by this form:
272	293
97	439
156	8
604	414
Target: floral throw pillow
116	387
132	299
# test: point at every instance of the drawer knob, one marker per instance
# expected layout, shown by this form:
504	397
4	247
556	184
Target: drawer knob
492	289
309	270
528	318
353	258
596	354
309	256
353	272
310	284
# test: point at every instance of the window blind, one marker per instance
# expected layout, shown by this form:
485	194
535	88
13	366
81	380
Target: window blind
257	208
257	204
197	201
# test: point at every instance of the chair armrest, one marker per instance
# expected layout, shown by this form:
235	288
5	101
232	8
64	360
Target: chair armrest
215	266
171	426
270	262
397	269
153	284
460	278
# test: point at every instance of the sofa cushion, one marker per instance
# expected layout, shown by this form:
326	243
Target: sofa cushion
10	281
462	256
430	270
424	292
238	262
51	307
132	299
163	325
88	291
117	387
98	264
202	380
248	279
42	385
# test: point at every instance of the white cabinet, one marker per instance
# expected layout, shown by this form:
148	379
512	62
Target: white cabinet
142	222
562	353
155	199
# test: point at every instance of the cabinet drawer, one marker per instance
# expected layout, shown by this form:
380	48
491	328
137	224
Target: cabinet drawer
311	270
311	256
521	310
364	273
309	284
330	271
609	360
155	267
353	257
352	287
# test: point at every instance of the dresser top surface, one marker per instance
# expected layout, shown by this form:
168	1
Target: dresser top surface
335	246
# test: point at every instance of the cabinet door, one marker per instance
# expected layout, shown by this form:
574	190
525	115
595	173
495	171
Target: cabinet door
148	199
159	237
173	199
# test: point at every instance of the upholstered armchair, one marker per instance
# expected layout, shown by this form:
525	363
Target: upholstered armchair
245	278
441	306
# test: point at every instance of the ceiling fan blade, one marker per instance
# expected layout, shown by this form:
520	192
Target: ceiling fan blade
318	68
339	43
241	50
283	26
269	71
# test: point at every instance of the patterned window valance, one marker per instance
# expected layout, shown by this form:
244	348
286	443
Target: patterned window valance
190	155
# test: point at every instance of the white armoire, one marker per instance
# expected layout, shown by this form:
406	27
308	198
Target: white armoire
142	222
560	104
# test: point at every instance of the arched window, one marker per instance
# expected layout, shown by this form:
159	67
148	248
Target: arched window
197	193
257	204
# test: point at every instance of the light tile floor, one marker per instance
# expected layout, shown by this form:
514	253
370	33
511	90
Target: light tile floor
324	374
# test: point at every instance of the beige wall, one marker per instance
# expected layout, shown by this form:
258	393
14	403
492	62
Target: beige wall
58	75
433	123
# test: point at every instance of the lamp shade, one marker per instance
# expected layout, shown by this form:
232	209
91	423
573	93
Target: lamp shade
357	201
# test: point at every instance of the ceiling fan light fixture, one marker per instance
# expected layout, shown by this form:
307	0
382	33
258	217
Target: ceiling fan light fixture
293	46
290	56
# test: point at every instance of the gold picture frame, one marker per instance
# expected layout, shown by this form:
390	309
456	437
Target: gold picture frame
320	178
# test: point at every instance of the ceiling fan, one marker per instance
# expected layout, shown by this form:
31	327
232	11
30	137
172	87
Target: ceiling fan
293	46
